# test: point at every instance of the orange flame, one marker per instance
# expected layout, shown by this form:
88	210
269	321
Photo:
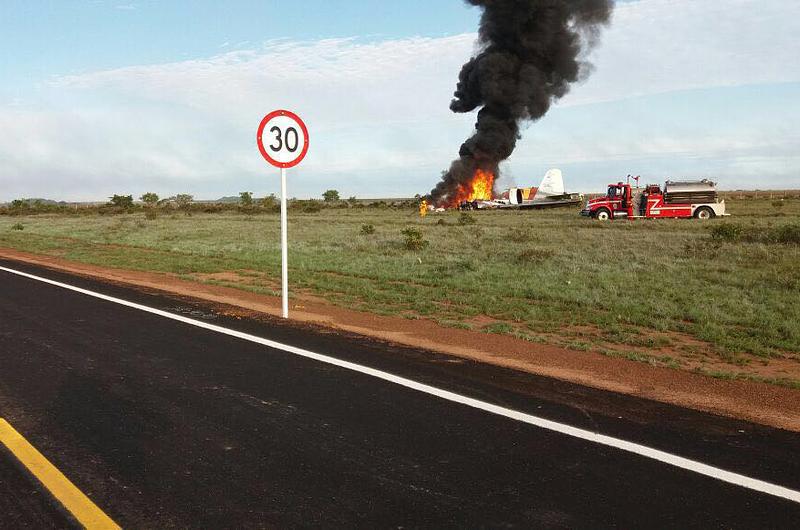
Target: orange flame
480	188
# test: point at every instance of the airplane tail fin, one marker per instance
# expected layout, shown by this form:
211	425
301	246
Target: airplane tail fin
552	183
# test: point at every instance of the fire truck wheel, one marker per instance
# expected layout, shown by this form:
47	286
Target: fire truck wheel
704	212
602	215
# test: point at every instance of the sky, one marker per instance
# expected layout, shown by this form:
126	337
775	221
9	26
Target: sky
107	96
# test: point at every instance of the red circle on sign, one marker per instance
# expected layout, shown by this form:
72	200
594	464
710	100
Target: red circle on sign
259	140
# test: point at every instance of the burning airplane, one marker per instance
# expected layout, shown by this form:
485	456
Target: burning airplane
530	52
549	194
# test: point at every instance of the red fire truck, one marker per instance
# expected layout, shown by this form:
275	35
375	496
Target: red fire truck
686	199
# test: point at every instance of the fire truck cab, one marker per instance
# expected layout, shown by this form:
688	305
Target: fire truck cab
685	199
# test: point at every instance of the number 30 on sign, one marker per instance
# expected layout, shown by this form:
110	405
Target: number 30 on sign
283	139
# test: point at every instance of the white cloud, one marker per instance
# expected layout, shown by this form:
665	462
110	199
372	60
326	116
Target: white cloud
342	80
656	46
374	108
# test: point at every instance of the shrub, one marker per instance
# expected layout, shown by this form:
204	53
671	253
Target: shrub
311	207
18	226
270	201
787	234
331	196
151	214
413	239
184	200
213	208
466	219
367	229
149	198
727	232
121	201
442	222
246	199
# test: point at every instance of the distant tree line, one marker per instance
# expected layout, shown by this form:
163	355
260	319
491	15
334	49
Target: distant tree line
153	205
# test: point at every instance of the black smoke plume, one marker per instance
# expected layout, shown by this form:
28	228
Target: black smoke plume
530	53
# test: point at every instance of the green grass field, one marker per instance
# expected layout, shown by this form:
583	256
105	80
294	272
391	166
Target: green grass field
634	289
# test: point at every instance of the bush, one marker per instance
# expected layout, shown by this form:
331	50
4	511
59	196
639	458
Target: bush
442	222
310	206
121	201
149	198
330	196
271	203
466	219
150	214
727	232
18	226
246	199
367	229
414	240
787	234
184	200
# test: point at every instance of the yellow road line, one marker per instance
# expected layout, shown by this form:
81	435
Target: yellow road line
79	505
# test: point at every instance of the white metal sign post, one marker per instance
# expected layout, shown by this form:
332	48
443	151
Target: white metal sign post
285	146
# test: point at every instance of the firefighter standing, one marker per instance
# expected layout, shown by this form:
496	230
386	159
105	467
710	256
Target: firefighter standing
423	208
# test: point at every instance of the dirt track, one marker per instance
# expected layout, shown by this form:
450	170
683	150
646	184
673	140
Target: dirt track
757	402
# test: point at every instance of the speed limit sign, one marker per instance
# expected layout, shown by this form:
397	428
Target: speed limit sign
282	139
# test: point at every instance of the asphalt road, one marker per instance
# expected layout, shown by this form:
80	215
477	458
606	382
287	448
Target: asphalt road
23	504
164	424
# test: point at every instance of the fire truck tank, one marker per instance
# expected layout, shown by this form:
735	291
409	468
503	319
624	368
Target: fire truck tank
694	191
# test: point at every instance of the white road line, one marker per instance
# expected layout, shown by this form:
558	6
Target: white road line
642	450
